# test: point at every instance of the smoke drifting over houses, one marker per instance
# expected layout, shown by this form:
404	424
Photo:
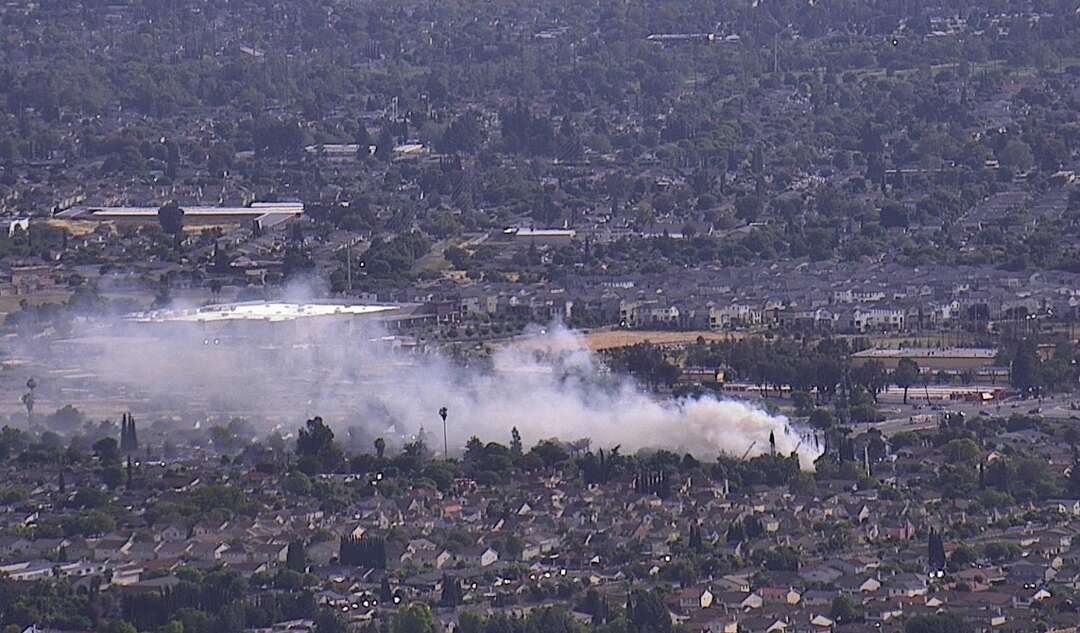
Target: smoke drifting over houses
349	371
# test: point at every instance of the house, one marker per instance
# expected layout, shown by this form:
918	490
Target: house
709	621
877	320
764	624
211	529
778	595
173	550
27	571
481	556
50	547
734	582
529	551
734	316
732	600
854	584
173	533
212	551
30	279
106	549
427	557
270	552
901	530
1025	574
12	545
752	601
909	585
692	599
819	574
817	598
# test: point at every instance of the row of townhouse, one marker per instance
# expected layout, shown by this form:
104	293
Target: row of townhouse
691	311
793	300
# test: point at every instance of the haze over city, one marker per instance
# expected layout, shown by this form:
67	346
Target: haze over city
340	316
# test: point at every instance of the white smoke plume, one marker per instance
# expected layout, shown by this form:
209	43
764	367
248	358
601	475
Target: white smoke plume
552	386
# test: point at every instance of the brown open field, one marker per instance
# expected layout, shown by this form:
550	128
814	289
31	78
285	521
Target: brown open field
77	228
10	303
608	339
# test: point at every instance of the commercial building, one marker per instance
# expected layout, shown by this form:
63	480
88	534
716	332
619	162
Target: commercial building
257	318
264	215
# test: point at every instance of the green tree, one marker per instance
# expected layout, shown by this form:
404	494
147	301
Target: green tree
843	610
821	418
171	218
1017	156
384	147
803	402
414	618
962	557
872	376
107	450
782	559
297	483
316	448
296	558
905	375
1024	371
550	453
118	626
936	551
961	450
937	623
748	208
451	592
328	621
648	613
112	475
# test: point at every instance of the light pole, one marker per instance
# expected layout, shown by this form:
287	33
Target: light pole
446	449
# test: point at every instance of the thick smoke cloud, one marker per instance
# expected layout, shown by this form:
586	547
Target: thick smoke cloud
349	372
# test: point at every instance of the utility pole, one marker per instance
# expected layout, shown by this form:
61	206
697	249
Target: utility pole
348	264
446	446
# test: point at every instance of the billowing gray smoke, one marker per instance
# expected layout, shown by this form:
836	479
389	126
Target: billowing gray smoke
354	378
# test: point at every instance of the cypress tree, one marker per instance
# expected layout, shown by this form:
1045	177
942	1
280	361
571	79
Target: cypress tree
129	441
124	433
451	592
936	547
133	437
296	558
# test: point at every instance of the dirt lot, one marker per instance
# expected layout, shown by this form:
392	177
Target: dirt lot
77	228
608	339
11	303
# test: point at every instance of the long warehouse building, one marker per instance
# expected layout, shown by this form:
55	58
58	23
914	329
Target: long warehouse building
264	215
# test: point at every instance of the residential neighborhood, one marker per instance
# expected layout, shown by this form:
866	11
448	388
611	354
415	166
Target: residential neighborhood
339	316
729	547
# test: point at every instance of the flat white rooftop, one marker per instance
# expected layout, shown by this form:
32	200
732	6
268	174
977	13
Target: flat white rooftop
526	232
929	352
150	212
194	211
258	311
